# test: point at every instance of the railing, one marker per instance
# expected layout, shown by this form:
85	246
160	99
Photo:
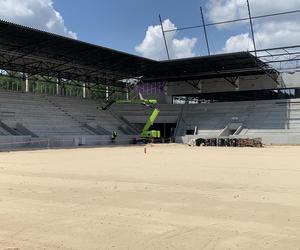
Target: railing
52	143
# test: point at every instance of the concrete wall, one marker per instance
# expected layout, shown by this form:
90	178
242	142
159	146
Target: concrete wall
22	142
10	142
221	85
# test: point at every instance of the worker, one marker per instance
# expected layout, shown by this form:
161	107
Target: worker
114	136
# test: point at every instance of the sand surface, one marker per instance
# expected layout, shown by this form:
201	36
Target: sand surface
175	197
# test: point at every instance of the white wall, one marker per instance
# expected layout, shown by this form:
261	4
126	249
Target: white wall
291	80
244	83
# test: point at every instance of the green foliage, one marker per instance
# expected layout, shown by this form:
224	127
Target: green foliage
40	85
11	83
14	81
99	92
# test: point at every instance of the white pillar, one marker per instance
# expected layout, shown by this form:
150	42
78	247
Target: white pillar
237	83
26	83
83	90
200	86
57	86
107	95
61	88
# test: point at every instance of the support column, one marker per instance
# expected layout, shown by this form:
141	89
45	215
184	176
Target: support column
87	90
25	83
127	94
61	89
200	86
237	83
106	93
57	86
84	90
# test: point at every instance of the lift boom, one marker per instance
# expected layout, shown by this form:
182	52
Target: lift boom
146	133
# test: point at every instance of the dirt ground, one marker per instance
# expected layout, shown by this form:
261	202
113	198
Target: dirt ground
173	197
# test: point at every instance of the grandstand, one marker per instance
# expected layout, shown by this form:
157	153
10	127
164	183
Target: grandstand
234	95
60	121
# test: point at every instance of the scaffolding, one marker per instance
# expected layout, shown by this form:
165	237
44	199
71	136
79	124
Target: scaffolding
285	58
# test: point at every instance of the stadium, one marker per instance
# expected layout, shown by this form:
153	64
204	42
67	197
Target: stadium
241	96
96	146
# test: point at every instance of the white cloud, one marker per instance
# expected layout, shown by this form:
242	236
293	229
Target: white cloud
153	44
241	42
39	14
223	10
269	32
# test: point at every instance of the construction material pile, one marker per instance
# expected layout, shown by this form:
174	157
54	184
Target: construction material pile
228	142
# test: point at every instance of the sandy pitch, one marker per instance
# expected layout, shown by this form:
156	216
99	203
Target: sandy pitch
175	197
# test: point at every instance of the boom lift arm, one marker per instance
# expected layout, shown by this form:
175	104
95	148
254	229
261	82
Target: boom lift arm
145	133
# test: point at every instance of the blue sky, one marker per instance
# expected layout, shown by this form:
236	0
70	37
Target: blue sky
132	25
122	24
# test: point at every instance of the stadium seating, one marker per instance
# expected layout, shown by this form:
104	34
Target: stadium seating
39	116
276	121
46	116
137	113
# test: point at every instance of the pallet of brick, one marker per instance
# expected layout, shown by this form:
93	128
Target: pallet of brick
241	142
244	142
233	143
257	142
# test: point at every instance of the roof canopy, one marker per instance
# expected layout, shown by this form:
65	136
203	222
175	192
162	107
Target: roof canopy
36	52
207	67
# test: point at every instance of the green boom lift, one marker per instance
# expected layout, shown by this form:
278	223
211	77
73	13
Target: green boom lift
145	134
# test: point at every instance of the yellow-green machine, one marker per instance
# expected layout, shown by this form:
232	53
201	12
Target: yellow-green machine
146	133
151	103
